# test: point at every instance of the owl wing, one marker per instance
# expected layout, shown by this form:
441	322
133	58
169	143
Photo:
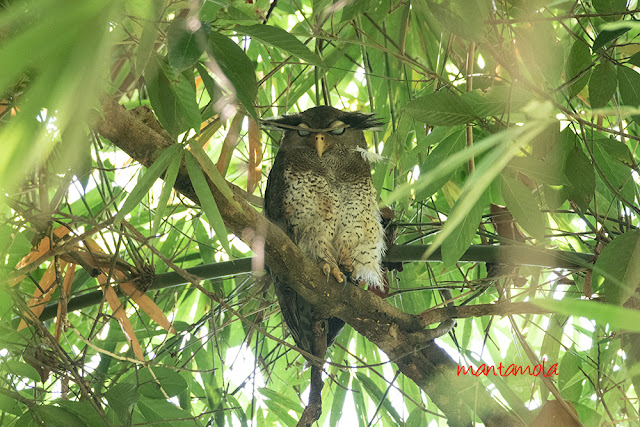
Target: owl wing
298	314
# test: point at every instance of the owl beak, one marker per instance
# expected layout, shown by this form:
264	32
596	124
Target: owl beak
320	144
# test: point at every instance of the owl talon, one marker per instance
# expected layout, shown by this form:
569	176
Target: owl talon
334	271
337	274
326	269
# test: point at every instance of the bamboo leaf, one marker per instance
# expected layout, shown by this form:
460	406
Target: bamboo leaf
145	182
523	206
281	39
237	67
441	108
339	398
461	237
619	318
619	263
207	202
379	396
169	181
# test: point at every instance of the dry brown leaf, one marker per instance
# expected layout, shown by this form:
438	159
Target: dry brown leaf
230	143
121	316
254	173
41	248
147	305
62	304
43	291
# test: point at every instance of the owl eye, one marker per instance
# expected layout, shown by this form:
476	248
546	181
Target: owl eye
338	128
302	131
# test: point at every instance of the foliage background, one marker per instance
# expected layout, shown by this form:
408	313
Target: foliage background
532	105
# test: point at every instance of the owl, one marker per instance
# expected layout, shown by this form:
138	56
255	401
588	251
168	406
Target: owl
320	193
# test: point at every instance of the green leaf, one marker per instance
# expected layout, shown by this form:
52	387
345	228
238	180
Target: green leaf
356	8
281	411
148	37
634	59
465	18
167	188
281	39
146	182
602	84
452	144
607	155
629	84
378	396
281	399
538	170
360	403
339	397
122	397
445	108
207	252
152	380
605	36
578	64
212	171
523	206
207	202
163	412
570	376
19	243
616	150
416	418
497	101
209	84
581	178
619	318
84	411
55	416
10	405
619	264
186	42
237	67
173	97
442	108
607	7
232	402
461	237
21	369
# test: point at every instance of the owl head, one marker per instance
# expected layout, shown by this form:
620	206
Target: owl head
324	129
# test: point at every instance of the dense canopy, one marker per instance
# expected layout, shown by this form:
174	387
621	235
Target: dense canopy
133	246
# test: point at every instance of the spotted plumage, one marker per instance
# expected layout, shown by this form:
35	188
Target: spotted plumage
320	192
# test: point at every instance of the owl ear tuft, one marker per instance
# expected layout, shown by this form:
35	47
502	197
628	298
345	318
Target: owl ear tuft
363	121
281	122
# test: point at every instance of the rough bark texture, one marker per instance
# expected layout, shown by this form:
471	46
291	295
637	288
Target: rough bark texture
400	335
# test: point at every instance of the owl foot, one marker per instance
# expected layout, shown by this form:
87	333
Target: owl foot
334	271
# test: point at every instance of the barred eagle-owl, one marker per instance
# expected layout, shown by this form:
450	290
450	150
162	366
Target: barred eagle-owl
320	193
